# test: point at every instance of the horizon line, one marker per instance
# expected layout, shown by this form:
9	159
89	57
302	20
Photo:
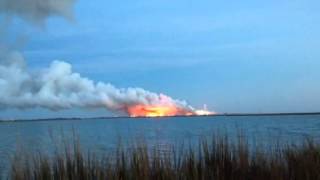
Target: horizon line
159	117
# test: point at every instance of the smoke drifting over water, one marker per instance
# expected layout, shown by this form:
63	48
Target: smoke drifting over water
58	87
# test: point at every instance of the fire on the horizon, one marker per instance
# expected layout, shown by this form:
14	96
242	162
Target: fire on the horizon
58	87
163	110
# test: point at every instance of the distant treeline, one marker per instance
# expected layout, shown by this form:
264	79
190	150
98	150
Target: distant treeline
121	117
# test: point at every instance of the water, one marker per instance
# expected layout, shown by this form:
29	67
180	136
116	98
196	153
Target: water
104	134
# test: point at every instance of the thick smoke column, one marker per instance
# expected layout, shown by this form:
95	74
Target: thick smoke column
58	87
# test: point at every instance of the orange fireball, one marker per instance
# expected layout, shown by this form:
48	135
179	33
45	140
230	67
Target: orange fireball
163	110
155	111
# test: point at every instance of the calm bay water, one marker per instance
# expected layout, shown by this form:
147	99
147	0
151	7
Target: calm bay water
104	134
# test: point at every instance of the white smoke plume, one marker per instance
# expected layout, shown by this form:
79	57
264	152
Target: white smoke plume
58	87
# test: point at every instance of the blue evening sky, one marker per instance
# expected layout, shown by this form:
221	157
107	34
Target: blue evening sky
234	56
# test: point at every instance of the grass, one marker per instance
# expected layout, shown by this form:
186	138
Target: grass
216	158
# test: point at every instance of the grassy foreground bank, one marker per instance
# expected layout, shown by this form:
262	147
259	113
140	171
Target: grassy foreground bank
217	158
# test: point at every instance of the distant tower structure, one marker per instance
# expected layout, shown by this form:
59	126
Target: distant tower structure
205	107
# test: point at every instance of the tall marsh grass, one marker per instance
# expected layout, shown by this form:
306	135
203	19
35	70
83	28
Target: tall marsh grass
216	158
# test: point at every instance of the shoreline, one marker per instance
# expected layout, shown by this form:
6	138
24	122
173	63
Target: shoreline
122	117
217	157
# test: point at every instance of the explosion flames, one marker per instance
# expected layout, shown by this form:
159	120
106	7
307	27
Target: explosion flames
58	87
165	108
162	111
155	111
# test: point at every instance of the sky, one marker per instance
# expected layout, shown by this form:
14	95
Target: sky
234	56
